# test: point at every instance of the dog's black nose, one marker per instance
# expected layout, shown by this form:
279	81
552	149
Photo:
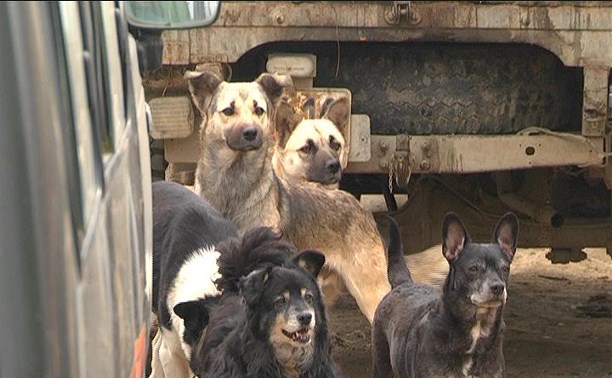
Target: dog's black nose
497	289
249	133
333	166
304	318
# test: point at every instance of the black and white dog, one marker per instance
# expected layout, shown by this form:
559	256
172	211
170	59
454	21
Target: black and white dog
186	232
419	332
270	320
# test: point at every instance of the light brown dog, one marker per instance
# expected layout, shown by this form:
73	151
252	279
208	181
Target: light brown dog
305	149
235	175
312	149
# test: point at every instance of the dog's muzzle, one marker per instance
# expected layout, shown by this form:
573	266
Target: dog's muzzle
302	326
328	176
305	318
244	138
301	336
332	167
493	297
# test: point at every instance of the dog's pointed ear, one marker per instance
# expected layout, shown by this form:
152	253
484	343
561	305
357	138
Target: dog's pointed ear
273	85
339	113
506	234
252	286
201	86
195	315
311	260
285	121
454	236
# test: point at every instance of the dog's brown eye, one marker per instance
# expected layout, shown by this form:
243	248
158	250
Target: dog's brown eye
228	111
334	144
259	111
309	298
308	147
473	268
279	302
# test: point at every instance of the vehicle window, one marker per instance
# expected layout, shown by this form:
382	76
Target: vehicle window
96	71
84	132
68	136
114	77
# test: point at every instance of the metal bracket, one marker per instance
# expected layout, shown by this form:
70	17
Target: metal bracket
595	101
482	153
400	166
399	9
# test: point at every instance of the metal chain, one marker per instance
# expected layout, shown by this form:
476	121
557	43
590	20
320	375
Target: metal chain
396	168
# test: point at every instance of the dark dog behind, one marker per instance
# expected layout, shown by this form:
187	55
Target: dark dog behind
185	232
271	323
419	332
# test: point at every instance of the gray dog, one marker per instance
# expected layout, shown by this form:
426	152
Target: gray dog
419	332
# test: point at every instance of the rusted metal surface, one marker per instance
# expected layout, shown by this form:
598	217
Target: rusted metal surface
469	154
595	101
177	47
360	149
580	33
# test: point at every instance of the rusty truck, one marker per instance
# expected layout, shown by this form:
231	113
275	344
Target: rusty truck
474	106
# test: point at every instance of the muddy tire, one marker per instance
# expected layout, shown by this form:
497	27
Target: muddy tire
458	89
421	89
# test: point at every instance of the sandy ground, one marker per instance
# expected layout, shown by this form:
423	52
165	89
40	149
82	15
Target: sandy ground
558	318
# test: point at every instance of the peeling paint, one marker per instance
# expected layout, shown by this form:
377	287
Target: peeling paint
578	32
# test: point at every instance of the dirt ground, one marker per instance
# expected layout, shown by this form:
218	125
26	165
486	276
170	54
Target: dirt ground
558	320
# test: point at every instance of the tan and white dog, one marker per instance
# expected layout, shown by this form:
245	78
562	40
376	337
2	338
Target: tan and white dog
235	175
312	149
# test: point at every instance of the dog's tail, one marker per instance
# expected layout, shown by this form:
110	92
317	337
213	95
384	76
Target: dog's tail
397	270
257	249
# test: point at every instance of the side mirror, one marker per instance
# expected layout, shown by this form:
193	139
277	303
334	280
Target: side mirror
166	15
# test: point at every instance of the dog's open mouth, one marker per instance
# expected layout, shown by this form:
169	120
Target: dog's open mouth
301	336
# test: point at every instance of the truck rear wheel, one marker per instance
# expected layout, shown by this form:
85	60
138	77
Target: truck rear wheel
422	89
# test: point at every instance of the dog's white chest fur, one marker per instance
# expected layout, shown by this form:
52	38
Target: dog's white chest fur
481	329
195	280
478	331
